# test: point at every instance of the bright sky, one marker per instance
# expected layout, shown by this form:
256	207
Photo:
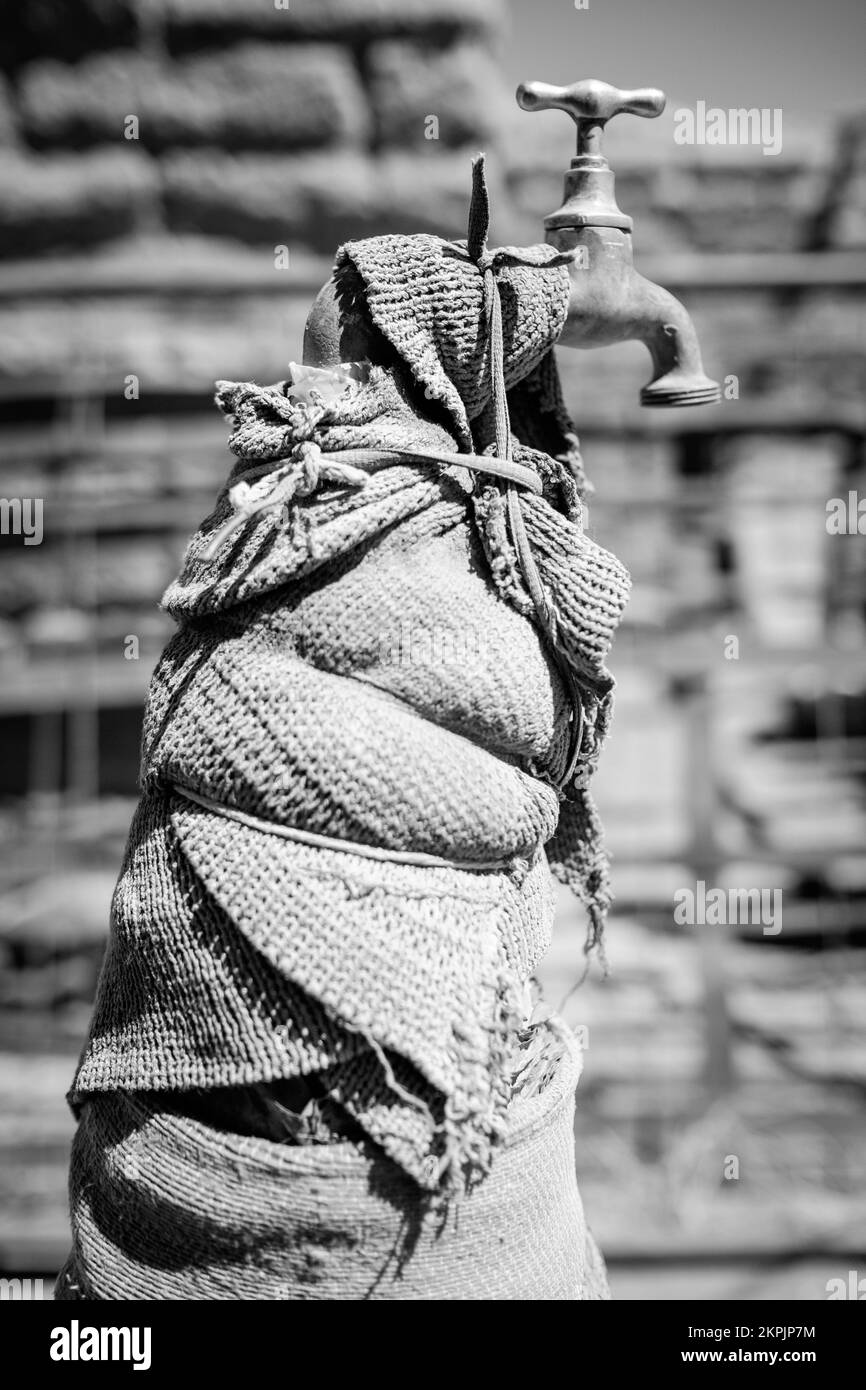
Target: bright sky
806	57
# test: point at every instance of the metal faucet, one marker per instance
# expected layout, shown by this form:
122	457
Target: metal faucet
610	302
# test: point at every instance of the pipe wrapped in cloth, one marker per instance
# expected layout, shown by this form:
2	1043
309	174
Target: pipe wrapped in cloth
311	1071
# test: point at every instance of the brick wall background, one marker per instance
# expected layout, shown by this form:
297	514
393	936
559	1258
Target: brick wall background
134	272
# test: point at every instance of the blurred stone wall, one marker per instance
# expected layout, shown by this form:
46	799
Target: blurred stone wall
295	124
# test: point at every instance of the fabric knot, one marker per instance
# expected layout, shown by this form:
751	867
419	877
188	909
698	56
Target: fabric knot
305	422
309	455
297	476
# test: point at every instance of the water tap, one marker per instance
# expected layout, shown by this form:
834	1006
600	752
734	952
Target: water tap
610	302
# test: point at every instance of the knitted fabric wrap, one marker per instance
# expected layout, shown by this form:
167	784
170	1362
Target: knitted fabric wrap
358	760
237	956
259	1220
427	298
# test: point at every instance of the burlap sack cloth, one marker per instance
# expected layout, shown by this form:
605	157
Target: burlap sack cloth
311	1071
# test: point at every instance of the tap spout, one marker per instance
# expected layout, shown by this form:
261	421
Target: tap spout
611	303
662	323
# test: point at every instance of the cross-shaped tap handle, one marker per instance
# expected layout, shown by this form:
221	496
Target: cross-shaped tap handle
590	104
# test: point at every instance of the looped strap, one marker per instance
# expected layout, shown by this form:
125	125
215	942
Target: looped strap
485	260
300	474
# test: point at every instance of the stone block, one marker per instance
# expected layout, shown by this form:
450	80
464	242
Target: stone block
252	96
49	202
421	96
189	23
43	28
767	206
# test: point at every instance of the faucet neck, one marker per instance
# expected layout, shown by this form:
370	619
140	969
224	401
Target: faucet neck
588	194
589	133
